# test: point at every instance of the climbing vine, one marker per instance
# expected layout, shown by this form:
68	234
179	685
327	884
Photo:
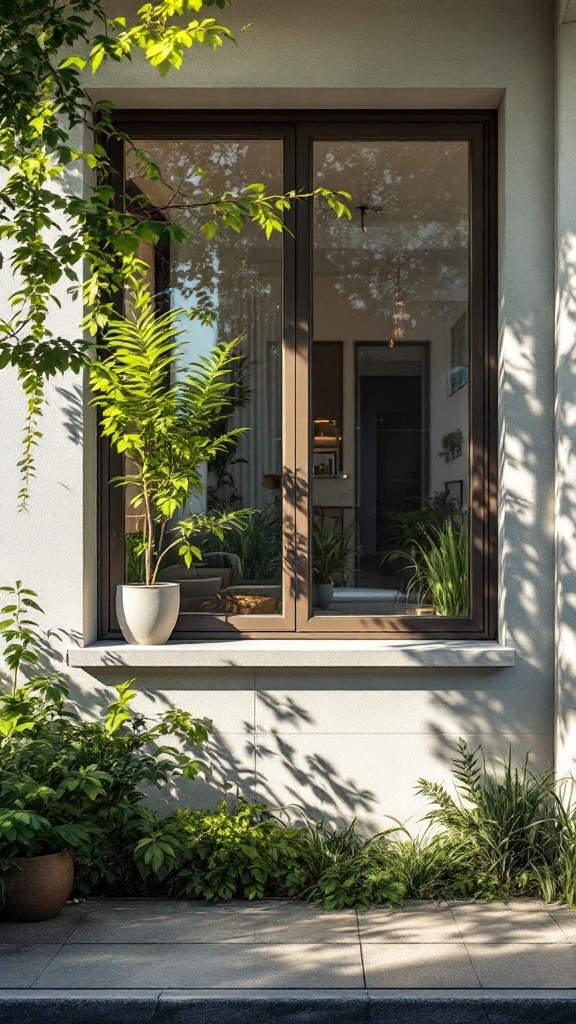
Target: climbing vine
53	136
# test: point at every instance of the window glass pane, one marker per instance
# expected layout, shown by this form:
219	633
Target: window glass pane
390	380
239	277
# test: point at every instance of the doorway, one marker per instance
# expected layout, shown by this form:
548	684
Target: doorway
392	450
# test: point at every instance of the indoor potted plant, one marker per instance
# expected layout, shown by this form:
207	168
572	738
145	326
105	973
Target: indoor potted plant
166	426
332	550
441	571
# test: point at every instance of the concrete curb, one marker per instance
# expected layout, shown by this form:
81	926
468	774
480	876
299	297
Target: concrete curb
241	1006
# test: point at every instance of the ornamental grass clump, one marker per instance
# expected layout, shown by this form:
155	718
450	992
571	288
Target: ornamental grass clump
429	867
347	869
505	826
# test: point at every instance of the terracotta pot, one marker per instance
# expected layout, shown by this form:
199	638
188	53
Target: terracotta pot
147	615
38	887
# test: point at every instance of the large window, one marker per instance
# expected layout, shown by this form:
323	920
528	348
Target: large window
367	383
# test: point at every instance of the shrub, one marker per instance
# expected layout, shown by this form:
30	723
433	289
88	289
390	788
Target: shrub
346	869
85	778
247	853
65	781
223	855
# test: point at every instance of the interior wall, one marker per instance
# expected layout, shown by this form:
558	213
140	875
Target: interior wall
335	320
340	742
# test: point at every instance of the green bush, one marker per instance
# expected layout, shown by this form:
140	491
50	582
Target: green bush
66	781
346	869
246	853
223	854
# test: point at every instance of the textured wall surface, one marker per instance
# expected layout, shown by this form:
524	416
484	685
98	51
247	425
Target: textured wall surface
351	743
566	384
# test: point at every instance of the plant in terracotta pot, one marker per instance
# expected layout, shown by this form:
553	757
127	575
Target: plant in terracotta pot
164	420
72	789
45	799
332	551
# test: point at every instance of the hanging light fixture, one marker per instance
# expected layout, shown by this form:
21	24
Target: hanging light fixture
364	209
398	316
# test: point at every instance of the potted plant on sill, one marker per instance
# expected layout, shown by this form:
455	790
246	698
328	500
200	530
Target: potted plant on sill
70	788
164	421
332	550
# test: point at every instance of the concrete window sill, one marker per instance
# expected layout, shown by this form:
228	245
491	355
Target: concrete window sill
321	654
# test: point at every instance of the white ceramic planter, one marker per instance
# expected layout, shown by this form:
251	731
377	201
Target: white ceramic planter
147	615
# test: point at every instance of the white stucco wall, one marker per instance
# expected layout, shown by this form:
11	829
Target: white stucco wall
566	385
353	742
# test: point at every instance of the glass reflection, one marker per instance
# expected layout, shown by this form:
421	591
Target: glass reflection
390	368
235	281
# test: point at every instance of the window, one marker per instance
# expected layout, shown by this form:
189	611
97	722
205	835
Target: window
368	378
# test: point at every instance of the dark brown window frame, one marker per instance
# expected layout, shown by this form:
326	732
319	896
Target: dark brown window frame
300	129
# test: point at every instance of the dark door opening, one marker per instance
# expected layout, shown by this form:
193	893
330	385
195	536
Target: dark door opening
392	449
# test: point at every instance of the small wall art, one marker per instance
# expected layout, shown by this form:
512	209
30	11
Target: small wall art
455	490
325	461
459	355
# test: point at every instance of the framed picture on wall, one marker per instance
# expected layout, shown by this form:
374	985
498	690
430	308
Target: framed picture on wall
454	489
459	355
325	461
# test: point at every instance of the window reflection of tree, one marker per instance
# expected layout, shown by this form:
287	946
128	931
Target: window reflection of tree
233	278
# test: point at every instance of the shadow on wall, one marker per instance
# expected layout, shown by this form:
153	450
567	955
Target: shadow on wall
566	501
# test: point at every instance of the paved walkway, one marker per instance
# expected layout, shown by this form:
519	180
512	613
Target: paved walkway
139	956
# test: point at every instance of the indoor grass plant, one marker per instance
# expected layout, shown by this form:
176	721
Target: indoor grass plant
162	423
441	570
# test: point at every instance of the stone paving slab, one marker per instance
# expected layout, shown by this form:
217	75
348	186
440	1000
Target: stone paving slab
531	966
498	922
55	931
21	965
418	965
418	922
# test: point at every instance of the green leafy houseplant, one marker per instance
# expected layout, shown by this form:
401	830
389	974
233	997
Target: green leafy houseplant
258	547
452	445
332	551
416	526
162	424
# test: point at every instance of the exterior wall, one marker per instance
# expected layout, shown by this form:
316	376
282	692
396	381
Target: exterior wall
350	743
566	382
